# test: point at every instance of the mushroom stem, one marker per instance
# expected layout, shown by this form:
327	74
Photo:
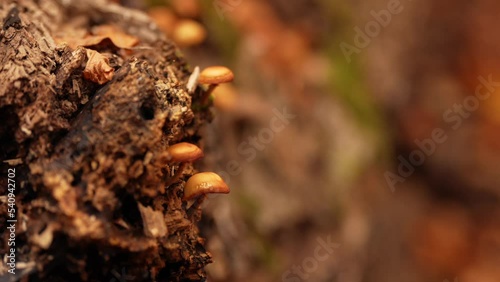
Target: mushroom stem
196	205
182	153
177	174
206	95
213	76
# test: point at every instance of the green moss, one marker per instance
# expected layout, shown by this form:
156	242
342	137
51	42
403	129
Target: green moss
220	32
267	254
347	81
248	205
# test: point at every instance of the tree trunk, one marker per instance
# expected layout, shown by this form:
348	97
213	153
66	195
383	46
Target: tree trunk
90	181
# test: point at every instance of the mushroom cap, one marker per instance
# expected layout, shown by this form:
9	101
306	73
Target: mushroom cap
184	152
164	18
188	33
216	75
204	183
186	8
225	98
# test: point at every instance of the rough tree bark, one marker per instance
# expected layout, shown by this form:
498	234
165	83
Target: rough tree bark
91	196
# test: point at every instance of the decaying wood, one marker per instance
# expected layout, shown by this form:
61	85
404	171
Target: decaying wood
92	199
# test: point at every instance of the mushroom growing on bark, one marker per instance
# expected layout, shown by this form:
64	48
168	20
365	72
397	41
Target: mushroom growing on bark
199	185
214	76
182	153
204	183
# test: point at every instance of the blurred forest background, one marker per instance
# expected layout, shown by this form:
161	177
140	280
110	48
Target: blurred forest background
391	150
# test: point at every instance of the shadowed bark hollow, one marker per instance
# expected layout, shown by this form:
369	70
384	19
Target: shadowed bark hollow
91	184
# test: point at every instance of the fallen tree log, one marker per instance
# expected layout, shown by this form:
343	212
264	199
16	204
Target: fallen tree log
87	141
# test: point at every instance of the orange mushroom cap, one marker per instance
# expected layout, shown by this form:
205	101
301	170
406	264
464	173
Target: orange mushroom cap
216	75
184	152
188	33
204	183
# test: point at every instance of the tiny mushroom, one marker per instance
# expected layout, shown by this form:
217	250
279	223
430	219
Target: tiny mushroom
164	18
214	76
226	98
182	153
188	33
186	8
204	183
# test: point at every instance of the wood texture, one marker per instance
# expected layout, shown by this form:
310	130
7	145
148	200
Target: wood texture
92	188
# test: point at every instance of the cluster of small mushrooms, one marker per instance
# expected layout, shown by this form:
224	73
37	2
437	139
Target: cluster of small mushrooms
183	153
199	184
179	23
212	77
